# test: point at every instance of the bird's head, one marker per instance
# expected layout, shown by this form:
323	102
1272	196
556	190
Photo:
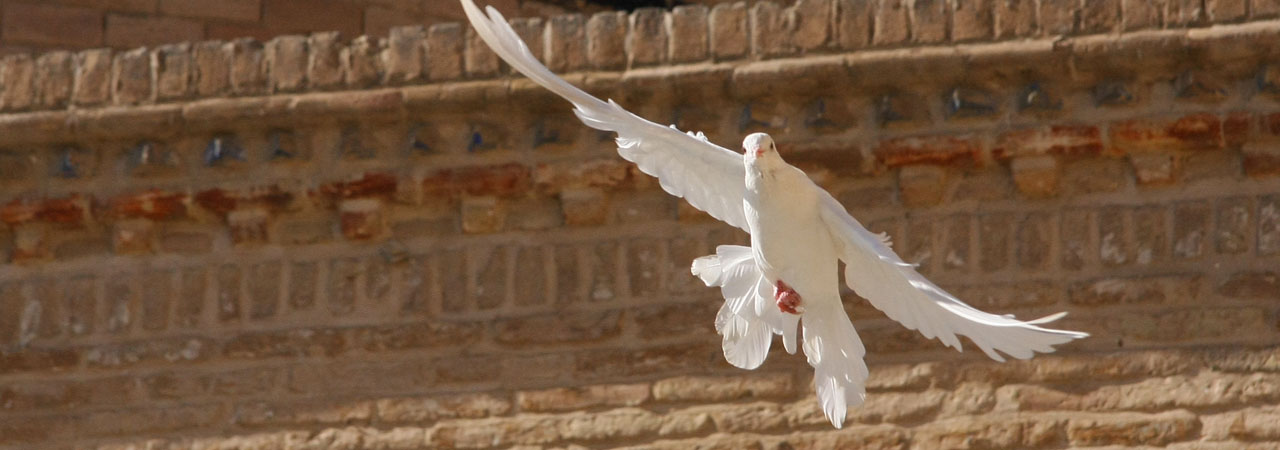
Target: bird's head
759	149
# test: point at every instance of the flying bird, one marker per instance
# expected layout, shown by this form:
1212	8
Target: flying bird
787	281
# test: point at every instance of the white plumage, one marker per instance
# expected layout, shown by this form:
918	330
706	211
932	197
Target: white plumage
798	235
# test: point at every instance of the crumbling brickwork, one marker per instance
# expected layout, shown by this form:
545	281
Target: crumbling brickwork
320	243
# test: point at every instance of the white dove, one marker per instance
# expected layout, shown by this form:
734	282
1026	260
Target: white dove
798	233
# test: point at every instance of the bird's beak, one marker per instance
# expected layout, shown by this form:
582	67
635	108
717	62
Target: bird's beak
759	152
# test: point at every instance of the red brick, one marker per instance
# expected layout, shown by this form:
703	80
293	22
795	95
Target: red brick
305	16
130	31
154	205
1262	159
69	211
1064	140
36	23
241	10
945	150
362	218
500	180
1193	132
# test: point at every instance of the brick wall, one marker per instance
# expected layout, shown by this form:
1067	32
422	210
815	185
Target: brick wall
317	243
27	25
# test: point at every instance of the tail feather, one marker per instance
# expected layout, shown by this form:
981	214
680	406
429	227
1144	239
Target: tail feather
747	320
834	350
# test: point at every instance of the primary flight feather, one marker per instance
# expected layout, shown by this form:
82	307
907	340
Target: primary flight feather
788	278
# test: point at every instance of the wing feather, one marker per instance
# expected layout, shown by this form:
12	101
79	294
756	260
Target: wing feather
877	274
709	177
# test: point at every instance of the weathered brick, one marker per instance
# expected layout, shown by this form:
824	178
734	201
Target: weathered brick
688	29
994	231
173	71
1264	8
1014	18
1264	285
489	266
285	63
362	218
17	76
606	40
1261	159
228	294
1058	140
1132	429
730	36
565	43
811	22
954	238
929	20
972	20
361	63
1114	245
853	23
479	59
942	150
1154	168
131	77
211	73
1035	241
1190	229
1076	232
891	23
324	65
1094	175
247	74
1097	17
1171	289
769	30
1036	176
403	57
1219	11
444	51
53	78
1058	17
559	328
919	248
428	409
190	310
1192	132
1139	14
92	83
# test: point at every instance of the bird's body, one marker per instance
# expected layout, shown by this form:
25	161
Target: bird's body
787	281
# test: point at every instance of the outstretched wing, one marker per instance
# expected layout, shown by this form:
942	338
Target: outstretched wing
710	177
877	274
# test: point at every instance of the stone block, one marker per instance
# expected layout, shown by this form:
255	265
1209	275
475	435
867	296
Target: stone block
566	43
361	62
92	85
688	29
892	23
53	79
770	33
285	62
929	21
606	40
1191	229
211	73
482	215
1058	17
324	65
247	74
853	19
1139	14
362	218
479	59
1015	18
729	36
1154	168
647	37
922	185
1099	16
131	77
174	71
444	52
811	21
403	57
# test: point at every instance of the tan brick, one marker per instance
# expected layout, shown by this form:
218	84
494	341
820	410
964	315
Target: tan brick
248	73
1014	18
427	409
647	37
811	20
361	62
929	21
1133	429
479	59
17	76
173	66
1184	289
1058	17
324	63
565	43
1139	14
730	36
891	22
53	79
688	31
1099	16
238	10
285	62
1036	176
403	57
131	77
43	24
130	31
769	30
92	84
444	52
606	40
210	68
